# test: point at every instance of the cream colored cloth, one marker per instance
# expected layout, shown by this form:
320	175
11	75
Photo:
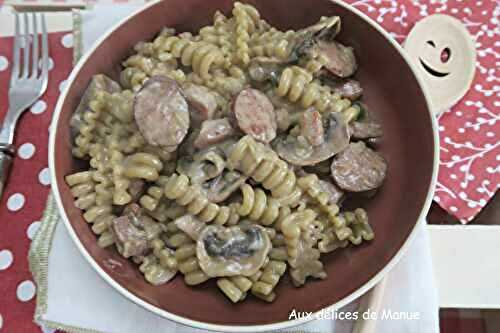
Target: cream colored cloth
72	296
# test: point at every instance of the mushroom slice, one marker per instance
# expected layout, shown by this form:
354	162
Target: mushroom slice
204	165
300	152
306	41
326	29
237	250
221	187
190	225
264	69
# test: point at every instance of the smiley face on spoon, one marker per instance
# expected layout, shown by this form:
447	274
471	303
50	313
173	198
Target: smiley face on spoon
444	57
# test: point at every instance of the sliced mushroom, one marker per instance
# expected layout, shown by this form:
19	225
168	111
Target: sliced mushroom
358	168
264	69
299	152
190	225
203	166
326	29
232	251
220	188
306	41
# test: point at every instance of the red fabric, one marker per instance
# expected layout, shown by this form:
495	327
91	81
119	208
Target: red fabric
469	132
398	17
17	316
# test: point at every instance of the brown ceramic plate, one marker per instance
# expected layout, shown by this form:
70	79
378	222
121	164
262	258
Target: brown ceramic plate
392	92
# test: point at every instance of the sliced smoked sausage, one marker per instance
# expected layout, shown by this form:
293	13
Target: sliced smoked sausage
202	100
341	59
162	113
358	168
213	131
255	115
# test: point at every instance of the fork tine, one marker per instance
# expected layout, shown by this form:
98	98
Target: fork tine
45	51
26	51
16	53
35	66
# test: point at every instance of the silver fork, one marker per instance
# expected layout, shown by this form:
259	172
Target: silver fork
27	83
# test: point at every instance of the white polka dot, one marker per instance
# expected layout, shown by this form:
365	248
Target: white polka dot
15	202
39	107
461	130
1	321
51	64
453	176
26	291
26	150
437	199
4	63
62	85
67	40
453	208
44	176
459	113
490	134
32	229
471	204
6	259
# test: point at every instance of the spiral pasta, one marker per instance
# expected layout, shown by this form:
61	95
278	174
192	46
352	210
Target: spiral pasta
271	275
200	56
257	206
297	84
154	272
235	287
247	17
263	165
188	264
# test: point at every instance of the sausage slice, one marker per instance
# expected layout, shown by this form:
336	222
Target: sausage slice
213	131
255	115
162	113
358	168
341	59
202	101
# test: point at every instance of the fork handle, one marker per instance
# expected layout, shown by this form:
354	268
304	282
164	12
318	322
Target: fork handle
6	156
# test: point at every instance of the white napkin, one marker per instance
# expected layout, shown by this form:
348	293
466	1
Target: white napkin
78	297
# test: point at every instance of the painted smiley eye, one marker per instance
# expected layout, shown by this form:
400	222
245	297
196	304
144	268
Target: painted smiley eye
431	43
445	54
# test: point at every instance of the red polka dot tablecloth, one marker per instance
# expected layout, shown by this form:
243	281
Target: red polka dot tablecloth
24	198
469	166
